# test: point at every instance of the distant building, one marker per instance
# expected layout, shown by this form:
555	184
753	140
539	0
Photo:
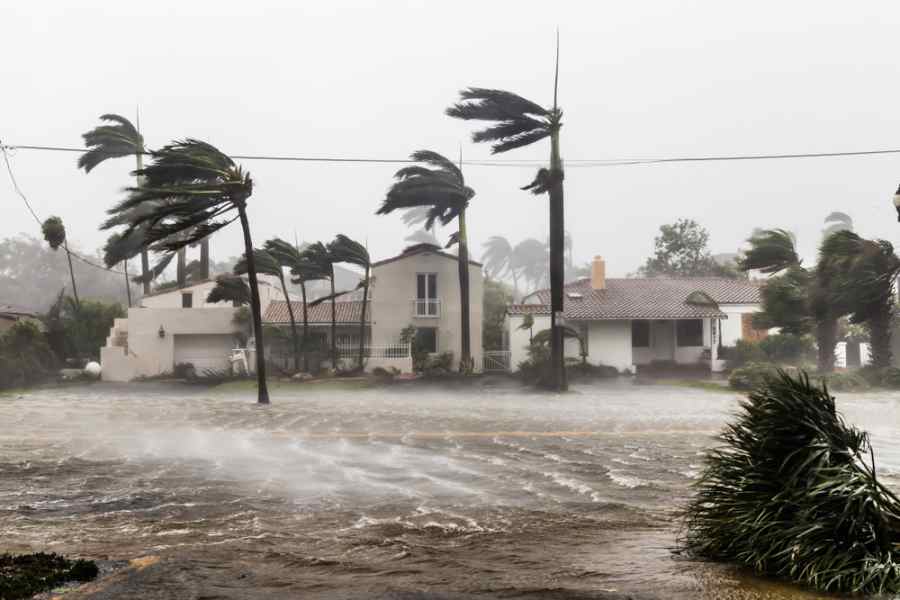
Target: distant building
10	315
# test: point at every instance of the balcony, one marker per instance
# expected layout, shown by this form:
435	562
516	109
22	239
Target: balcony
426	308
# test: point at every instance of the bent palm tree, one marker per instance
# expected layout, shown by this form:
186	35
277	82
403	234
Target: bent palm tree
519	122
443	191
346	250
191	188
55	235
498	260
230	288
268	264
320	255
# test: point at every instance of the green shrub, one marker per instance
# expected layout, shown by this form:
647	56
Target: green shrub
587	370
792	493
23	576
439	364
536	368
750	376
844	382
789	349
888	377
25	356
184	370
742	353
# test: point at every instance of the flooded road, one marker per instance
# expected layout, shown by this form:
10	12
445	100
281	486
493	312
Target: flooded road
400	492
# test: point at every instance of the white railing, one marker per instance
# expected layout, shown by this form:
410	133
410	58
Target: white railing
429	308
398	350
497	360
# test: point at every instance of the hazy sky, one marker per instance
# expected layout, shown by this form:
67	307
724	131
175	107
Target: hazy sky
371	79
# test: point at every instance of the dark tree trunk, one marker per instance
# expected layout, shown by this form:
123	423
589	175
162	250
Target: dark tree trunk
465	359
879	327
145	254
826	339
294	336
181	267
72	274
333	324
127	282
362	321
557	268
263	396
204	259
305	329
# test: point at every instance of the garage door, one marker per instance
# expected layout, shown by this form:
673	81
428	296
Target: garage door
204	351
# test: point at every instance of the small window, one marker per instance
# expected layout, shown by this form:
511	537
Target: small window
690	332
640	334
426	339
187	300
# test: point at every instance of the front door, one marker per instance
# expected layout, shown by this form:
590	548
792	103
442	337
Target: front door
663	340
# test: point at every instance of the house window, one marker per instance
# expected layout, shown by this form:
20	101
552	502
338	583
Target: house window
689	332
427	303
426	339
640	334
187	300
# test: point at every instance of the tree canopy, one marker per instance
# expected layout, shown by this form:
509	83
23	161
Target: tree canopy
682	250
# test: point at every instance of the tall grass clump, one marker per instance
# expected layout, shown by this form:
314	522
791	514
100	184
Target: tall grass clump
792	493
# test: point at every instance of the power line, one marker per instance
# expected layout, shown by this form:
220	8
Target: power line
607	162
37	219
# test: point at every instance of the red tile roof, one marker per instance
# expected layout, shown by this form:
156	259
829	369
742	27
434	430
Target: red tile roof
528	309
346	312
650	298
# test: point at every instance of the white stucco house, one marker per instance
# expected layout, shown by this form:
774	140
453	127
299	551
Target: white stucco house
633	322
418	287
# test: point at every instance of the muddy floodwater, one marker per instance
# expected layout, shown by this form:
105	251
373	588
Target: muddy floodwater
396	492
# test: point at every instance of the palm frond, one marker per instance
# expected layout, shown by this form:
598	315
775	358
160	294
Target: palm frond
497	255
230	288
485	104
544	181
771	251
346	250
262	260
110	141
453	240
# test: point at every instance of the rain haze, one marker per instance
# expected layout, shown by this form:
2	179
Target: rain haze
372	79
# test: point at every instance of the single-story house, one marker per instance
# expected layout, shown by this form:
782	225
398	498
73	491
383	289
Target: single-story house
633	322
10	315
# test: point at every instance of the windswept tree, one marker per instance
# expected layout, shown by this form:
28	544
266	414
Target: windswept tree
268	264
518	122
230	288
55	235
191	186
438	185
346	250
865	272
320	255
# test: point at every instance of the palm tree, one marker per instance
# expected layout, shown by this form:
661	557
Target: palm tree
519	122
346	250
865	272
268	264
119	138
498	260
302	270
113	244
320	255
55	235
773	251
530	259
528	323
192	187
230	288
443	191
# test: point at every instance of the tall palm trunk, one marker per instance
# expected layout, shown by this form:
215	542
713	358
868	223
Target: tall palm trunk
826	339
204	260
465	359
294	336
305	328
263	390
181	268
557	266
127	282
333	324
362	320
879	326
145	254
72	274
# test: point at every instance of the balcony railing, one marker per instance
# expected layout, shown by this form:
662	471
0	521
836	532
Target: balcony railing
427	308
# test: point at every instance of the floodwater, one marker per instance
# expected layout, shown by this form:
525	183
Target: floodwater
396	492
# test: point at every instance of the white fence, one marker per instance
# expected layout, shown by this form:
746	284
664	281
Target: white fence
398	350
497	360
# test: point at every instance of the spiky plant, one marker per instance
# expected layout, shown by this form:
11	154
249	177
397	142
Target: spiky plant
55	235
518	122
188	192
438	185
791	492
268	264
344	249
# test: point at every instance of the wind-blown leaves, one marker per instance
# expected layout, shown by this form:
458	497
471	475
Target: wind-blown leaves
54	232
346	250
519	122
230	288
120	138
771	251
497	256
264	262
792	493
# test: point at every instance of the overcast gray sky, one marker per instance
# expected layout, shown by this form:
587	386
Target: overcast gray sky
339	78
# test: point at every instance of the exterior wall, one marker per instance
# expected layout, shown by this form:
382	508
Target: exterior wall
394	291
609	343
269	289
135	349
519	339
731	327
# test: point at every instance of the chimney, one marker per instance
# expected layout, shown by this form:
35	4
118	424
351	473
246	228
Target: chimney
598	273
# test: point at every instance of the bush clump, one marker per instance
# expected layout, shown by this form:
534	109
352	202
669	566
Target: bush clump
750	376
23	576
792	493
845	382
888	377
